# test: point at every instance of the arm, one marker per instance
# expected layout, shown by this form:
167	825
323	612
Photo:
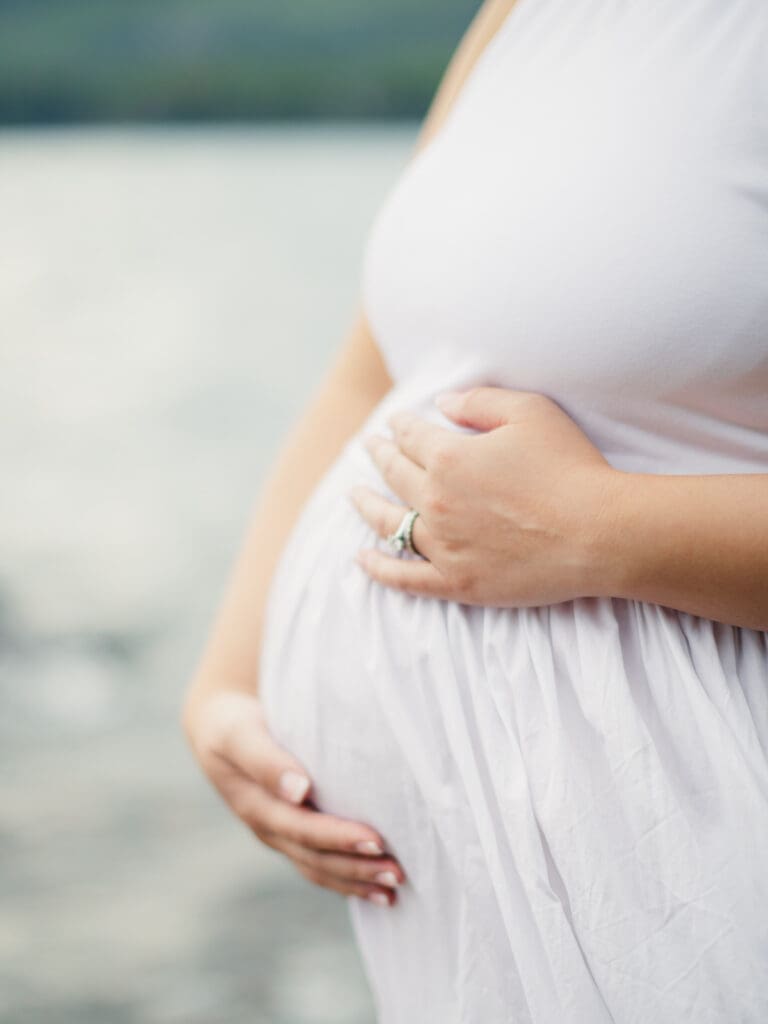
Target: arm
222	715
355	382
354	385
695	543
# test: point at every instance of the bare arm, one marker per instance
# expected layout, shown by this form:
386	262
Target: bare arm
695	543
353	386
222	716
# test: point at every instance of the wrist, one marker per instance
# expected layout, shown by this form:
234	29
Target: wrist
197	702
609	552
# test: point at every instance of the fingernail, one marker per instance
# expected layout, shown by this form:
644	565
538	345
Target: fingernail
379	899
386	878
445	400
294	785
368	846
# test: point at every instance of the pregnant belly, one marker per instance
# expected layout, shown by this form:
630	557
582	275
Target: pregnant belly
337	653
349	669
495	728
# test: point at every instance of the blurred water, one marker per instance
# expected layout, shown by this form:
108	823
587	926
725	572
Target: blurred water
168	301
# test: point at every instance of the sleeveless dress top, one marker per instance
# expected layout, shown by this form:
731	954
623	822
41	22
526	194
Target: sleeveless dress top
577	792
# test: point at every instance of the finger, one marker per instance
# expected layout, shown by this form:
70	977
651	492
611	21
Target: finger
417	438
416	576
379	871
486	408
376	894
251	748
385	517
313	829
400	473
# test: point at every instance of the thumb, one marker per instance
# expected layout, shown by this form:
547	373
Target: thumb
261	758
278	771
484	408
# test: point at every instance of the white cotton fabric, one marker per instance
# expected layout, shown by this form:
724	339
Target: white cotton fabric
577	792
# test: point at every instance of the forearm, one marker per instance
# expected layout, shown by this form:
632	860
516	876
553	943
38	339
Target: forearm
352	387
698	544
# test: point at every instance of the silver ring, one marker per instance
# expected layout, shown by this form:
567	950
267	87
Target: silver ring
402	538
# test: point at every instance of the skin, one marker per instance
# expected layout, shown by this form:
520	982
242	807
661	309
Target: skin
525	512
222	716
528	512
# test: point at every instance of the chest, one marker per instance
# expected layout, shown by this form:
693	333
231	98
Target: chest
594	214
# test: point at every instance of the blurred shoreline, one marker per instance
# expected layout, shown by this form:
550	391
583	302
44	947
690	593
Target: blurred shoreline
169	301
70	61
299	126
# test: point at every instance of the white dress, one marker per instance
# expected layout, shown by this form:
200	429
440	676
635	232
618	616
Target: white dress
577	792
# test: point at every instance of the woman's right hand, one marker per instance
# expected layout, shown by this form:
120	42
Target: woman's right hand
268	790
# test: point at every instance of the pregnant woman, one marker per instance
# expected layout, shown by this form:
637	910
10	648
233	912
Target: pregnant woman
531	747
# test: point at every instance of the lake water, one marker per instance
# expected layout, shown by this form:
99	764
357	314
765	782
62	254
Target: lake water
168	301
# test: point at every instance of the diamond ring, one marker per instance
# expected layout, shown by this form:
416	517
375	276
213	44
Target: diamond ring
402	538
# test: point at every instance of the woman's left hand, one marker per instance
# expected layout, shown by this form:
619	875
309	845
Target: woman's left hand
513	516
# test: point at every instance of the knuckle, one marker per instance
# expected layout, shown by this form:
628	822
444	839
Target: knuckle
451	547
465	581
310	873
246	815
312	859
381	525
361	871
443	457
268	824
241	806
533	400
262	833
435	505
473	394
403	429
303	836
264	836
387	459
214	737
361	890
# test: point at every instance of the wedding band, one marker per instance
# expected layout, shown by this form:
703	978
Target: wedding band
402	538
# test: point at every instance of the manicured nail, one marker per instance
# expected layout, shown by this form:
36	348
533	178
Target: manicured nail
294	786
368	846
386	878
379	899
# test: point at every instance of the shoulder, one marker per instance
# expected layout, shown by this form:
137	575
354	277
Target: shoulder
486	22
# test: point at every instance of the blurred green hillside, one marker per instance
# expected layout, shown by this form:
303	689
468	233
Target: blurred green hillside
151	60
